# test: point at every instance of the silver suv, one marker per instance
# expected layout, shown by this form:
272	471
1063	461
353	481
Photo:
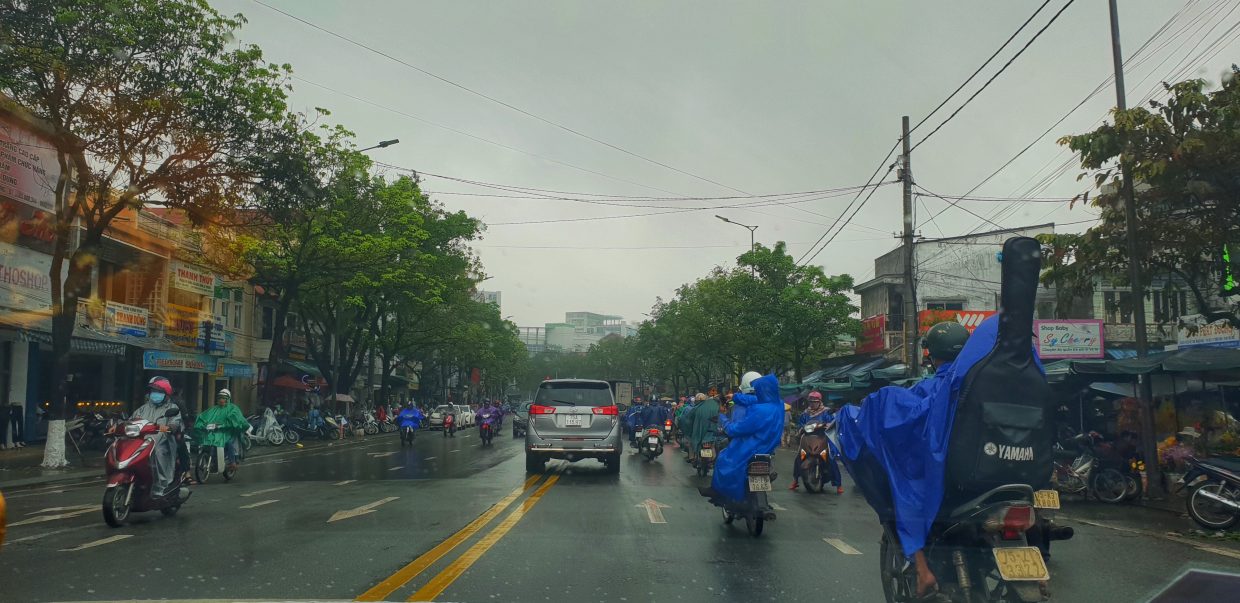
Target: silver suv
573	419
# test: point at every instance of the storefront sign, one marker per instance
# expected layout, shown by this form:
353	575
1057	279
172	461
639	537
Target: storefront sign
234	369
871	340
1058	339
191	278
24	280
78	344
125	319
27	226
181	324
158	360
969	318
1195	331
28	167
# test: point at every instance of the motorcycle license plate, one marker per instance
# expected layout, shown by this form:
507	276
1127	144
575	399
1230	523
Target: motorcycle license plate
574	420
707	453
1046	499
759	483
653	441
1021	563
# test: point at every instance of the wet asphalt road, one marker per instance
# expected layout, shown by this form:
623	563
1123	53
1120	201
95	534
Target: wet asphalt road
449	520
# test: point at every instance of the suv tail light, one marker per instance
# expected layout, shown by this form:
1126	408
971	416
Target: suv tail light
542	410
605	410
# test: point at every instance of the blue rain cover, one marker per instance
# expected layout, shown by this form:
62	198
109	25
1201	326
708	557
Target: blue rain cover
756	428
906	432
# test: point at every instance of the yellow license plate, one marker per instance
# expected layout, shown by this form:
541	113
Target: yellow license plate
1046	499
1021	563
708	453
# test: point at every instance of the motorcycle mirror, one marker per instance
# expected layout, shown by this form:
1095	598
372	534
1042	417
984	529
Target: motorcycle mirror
172	412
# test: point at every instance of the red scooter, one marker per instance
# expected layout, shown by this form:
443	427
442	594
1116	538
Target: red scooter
128	466
449	426
485	432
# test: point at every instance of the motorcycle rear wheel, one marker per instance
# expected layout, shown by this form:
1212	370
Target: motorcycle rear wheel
702	469
896	586
115	510
1109	485
202	469
291	436
275	437
372	428
753	525
229	472
333	434
170	511
1202	509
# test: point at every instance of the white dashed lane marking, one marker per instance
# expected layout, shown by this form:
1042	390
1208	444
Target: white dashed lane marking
257	492
259	504
100	542
841	546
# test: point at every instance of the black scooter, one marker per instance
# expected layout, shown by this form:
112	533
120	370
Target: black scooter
1214	492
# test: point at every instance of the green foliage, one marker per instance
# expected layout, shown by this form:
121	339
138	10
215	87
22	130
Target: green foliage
1184	157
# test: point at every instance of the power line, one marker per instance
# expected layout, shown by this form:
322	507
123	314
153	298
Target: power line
979	69
890	152
996	75
854	214
493	99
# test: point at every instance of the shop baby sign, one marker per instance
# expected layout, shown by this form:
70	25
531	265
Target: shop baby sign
1059	339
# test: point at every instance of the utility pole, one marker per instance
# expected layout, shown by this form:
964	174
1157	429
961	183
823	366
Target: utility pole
910	287
1149	446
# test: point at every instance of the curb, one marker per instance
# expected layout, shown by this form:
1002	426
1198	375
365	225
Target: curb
72	474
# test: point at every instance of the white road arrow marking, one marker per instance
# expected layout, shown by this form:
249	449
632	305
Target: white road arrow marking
362	510
43	518
345	482
841	546
258	504
257	492
380	455
99	542
53	532
396	468
777	507
654	510
54	509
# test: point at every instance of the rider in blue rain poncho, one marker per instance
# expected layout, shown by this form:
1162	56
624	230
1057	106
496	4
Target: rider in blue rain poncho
756	431
895	443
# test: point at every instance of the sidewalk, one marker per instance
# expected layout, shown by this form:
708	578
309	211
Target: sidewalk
20	468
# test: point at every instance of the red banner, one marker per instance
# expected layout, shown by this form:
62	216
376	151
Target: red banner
969	318
872	340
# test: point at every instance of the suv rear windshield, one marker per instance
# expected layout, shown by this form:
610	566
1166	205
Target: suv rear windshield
574	394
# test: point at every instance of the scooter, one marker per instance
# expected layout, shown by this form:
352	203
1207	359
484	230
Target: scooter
706	458
755	509
449	426
815	457
209	459
1214	492
407	434
651	444
127	464
486	432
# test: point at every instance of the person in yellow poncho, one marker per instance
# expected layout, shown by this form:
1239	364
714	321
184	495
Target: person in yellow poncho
229	424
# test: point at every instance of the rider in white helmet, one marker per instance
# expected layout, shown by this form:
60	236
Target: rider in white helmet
747	381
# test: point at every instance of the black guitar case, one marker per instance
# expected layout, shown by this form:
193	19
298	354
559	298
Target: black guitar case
1003	429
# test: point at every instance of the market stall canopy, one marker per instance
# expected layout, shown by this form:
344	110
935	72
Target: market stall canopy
304	367
1194	359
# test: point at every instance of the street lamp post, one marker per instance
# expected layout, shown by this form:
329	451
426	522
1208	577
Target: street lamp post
382	145
752	270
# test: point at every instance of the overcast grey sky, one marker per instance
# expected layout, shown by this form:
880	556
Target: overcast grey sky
762	97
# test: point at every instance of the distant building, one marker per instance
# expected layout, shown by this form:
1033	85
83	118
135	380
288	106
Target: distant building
490	297
577	333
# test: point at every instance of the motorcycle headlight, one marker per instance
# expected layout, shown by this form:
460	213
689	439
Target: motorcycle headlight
132	430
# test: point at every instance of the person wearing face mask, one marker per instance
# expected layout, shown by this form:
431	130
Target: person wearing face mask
164	457
817	413
229	424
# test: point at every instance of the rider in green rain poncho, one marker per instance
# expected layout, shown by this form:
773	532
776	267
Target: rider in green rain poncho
701	428
229	424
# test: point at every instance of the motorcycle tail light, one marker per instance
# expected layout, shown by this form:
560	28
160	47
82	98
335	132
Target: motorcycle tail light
802	455
542	410
668	423
1012	521
605	410
759	468
823	454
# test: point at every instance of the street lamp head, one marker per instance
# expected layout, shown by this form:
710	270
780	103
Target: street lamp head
387	143
723	218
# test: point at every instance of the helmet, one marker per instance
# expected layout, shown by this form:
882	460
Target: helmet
159	384
815	397
700	397
747	381
224	393
946	339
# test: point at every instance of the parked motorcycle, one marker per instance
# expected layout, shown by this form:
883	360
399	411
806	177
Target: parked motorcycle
815	457
387	425
755	509
210	459
333	426
1214	492
651	443
127	464
267	429
978	551
370	425
1094	468
301	426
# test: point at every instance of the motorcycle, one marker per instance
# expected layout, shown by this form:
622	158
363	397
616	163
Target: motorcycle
1096	468
1214	492
651	444
706	458
978	551
209	459
127	464
755	509
266	429
486	431
449	426
815	457
369	424
407	434
387	425
667	430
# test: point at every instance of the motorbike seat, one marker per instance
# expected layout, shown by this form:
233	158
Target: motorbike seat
1008	492
1231	464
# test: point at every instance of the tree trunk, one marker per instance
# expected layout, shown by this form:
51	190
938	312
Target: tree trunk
64	320
276	354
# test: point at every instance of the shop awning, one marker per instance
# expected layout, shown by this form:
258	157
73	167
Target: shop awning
1195	359
304	367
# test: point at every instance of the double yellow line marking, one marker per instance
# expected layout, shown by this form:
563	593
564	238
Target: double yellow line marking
444	579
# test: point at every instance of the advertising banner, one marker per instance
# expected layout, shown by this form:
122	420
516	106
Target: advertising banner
24	283
181	324
871	340
1195	331
28	167
158	360
125	319
969	318
1058	339
27	226
191	278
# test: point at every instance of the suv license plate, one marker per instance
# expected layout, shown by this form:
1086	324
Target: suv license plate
762	483
574	421
1046	499
708	453
1020	563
